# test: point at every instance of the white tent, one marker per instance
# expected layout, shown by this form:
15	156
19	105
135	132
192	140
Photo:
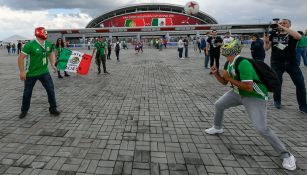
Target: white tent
15	39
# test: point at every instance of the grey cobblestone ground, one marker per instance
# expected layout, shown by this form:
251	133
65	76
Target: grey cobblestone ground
147	117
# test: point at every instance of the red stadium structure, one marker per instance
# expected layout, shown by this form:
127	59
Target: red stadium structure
151	20
149	15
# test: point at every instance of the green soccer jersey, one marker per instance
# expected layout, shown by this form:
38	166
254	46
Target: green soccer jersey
100	46
37	61
247	73
59	51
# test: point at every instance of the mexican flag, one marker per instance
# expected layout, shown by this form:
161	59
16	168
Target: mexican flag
135	22
74	61
161	22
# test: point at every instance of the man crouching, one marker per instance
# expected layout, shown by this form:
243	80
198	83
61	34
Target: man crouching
249	92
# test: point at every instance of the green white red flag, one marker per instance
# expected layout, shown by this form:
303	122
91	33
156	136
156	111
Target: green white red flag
74	61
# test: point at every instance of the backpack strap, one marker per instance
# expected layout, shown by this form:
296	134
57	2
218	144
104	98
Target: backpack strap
238	61
236	64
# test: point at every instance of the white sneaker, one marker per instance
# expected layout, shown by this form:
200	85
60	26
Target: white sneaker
289	163
212	130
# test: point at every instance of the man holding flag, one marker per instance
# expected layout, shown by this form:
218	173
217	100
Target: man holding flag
101	48
38	51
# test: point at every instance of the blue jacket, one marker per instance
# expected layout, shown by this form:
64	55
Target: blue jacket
257	49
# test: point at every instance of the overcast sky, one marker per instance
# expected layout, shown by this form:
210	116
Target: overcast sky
22	16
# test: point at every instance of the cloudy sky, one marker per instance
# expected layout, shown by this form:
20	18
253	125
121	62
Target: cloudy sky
22	16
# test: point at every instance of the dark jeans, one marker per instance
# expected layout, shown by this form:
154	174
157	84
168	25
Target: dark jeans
297	78
186	49
215	57
180	50
117	55
46	81
109	55
101	59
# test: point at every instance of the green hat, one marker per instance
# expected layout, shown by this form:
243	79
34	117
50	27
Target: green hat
233	48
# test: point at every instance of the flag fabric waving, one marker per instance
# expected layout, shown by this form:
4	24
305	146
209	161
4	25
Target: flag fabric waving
74	61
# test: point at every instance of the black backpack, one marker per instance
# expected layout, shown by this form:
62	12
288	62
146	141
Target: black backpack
117	47
266	74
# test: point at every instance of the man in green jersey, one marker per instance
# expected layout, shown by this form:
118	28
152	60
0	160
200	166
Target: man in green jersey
101	48
251	95
38	51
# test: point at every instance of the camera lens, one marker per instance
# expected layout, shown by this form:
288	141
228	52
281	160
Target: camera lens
273	26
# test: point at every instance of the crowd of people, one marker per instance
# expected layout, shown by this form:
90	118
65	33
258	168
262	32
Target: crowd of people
247	87
13	48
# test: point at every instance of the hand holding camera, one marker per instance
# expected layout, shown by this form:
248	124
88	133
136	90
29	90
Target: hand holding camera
275	26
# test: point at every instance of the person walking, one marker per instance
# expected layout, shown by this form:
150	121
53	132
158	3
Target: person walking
101	48
257	48
8	47
252	95
40	50
13	48
180	47
186	47
215	43
19	46
227	38
109	49
88	44
59	46
117	49
301	50
283	59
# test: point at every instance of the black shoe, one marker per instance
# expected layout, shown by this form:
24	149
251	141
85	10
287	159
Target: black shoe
106	72
98	72
60	76
66	75
54	112
22	115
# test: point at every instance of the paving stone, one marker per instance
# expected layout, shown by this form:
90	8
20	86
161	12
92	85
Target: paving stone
147	117
14	170
38	165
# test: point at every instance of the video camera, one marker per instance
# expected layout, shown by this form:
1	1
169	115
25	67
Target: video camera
274	25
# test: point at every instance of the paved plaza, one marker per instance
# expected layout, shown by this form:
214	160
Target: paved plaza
147	117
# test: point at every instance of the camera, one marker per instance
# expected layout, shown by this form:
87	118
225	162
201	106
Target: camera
274	24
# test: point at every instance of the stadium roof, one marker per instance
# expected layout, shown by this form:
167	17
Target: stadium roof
148	7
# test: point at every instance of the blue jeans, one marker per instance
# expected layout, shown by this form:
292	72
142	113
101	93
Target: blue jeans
186	49
301	52
297	78
206	60
46	81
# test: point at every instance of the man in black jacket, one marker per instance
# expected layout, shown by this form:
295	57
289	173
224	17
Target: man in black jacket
215	43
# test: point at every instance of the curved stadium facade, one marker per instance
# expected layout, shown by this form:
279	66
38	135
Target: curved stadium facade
143	15
151	19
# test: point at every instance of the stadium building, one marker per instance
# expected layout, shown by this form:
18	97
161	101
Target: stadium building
150	20
150	15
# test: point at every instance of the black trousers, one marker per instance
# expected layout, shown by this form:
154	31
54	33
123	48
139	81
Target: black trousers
117	54
215	57
101	59
109	55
